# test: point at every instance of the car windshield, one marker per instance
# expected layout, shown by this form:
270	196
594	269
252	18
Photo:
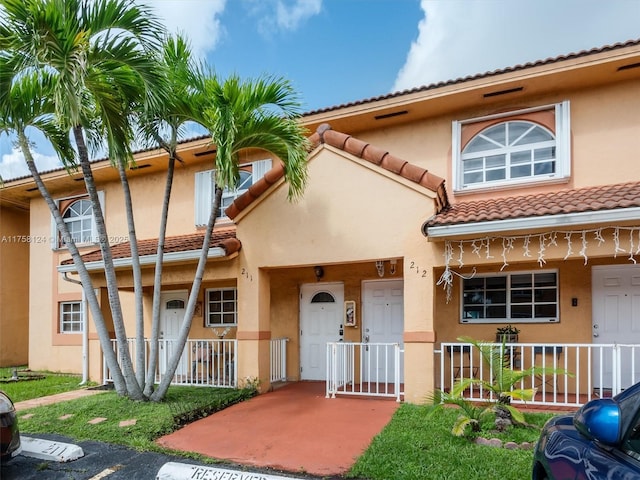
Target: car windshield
629	402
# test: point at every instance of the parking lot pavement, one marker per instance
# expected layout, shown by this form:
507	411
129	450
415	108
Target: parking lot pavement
113	462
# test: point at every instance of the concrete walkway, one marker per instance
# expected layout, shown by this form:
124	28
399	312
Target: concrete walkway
294	428
57	398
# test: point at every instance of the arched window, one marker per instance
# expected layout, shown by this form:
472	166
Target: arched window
512	150
175	305
79	219
323	297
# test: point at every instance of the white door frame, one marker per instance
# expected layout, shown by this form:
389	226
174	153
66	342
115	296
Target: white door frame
165	296
312	354
621	296
367	320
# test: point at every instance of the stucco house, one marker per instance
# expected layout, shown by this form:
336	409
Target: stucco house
449	210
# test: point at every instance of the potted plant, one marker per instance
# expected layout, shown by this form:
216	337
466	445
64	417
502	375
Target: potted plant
507	334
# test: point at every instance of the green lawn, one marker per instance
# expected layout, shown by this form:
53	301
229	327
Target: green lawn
419	446
153	419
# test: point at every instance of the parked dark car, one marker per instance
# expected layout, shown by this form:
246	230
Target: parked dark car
9	433
602	440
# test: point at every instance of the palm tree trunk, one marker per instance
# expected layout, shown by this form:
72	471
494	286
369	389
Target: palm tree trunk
133	389
157	281
185	327
85	278
137	277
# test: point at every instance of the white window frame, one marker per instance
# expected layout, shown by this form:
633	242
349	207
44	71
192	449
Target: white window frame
562	145
205	190
467	318
56	237
66	317
222	312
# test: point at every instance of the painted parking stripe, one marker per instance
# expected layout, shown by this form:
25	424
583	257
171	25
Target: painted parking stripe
106	472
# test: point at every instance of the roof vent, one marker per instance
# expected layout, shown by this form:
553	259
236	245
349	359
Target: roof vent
503	92
392	114
628	67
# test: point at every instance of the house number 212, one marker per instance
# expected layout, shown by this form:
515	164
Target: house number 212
422	273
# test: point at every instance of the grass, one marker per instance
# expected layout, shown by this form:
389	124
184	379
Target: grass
27	389
153	419
418	446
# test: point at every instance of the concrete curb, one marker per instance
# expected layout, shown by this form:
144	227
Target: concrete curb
184	471
51	451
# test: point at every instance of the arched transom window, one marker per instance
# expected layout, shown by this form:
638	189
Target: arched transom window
79	219
512	150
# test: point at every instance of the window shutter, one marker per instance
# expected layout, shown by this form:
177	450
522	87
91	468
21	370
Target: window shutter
259	168
203	196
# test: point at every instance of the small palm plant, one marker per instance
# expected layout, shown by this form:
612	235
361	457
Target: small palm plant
502	385
504	382
471	414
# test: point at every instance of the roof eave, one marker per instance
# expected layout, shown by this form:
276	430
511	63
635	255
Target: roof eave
512	225
172	257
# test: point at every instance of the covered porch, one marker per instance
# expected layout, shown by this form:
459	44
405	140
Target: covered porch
560	270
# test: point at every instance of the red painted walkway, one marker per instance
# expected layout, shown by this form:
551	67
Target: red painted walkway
294	428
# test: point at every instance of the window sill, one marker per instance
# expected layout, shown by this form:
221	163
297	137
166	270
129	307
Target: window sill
510	186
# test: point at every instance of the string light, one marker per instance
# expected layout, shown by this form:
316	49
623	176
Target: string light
545	240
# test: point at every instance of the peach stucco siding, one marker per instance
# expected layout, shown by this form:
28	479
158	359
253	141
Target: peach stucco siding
14	287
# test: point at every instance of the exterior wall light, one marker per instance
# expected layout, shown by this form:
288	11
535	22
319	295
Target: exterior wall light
319	271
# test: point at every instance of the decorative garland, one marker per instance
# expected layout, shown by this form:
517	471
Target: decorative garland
483	246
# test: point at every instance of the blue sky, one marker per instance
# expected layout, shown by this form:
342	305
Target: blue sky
338	51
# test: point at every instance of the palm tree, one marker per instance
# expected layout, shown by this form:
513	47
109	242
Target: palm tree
260	114
26	105
164	125
101	53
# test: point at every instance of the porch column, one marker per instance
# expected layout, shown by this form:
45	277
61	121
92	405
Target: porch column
419	334
254	332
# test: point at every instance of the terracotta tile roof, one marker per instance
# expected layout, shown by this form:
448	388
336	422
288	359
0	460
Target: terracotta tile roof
515	68
589	199
358	148
225	239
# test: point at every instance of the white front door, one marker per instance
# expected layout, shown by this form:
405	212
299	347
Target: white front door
382	322
616	319
321	306
171	317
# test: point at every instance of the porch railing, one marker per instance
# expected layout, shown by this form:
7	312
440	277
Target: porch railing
592	370
371	369
204	362
278	360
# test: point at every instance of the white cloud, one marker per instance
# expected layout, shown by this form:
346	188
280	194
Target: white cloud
276	15
461	38
12	165
198	20
289	15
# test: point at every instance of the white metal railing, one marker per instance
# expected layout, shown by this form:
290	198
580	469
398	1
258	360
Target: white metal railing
204	362
278	360
371	369
592	370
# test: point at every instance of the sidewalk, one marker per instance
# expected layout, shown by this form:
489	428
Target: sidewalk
57	398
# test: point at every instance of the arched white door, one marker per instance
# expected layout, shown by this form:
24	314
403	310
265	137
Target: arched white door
321	308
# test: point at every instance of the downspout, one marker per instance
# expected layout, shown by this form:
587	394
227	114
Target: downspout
85	330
